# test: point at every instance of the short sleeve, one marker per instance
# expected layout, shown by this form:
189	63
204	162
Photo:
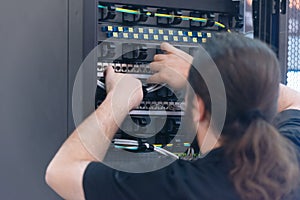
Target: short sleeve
205	178
93	185
103	182
288	124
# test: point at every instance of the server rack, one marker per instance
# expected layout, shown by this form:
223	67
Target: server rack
108	20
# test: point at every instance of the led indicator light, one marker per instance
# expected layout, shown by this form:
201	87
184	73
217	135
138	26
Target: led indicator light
146	36
115	35
120	29
110	28
141	30
125	35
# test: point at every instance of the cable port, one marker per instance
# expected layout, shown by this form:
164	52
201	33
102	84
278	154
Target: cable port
118	67
124	68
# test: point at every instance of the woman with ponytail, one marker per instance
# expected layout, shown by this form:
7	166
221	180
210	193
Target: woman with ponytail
255	156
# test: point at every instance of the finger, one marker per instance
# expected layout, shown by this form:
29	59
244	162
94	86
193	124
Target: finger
155	78
156	66
160	57
169	48
108	71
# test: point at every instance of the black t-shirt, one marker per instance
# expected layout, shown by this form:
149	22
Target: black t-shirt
204	179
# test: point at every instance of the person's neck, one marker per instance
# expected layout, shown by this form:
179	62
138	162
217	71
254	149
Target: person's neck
208	142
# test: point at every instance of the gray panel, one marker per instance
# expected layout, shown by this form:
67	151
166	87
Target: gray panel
75	51
82	40
33	88
283	44
293	49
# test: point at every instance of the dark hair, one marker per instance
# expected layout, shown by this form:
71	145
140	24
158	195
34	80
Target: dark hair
264	163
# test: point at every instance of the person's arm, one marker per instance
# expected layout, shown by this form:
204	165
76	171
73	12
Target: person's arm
288	99
90	140
172	67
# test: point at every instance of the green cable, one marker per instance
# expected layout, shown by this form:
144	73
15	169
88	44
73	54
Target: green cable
100	6
127	11
185	18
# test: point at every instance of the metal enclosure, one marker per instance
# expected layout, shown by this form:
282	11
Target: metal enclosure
269	26
292	50
276	22
43	44
34	90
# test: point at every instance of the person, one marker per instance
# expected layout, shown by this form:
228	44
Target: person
251	160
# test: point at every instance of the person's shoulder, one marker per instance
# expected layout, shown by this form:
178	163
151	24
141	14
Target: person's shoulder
287	123
287	119
288	114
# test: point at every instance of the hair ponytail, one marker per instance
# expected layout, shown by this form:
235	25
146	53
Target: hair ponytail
264	163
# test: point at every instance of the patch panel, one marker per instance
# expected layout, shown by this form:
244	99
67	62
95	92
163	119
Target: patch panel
134	51
160	105
161	100
155	34
139	68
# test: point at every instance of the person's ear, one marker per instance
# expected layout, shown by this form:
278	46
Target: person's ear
199	110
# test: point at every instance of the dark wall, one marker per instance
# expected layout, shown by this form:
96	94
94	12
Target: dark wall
33	93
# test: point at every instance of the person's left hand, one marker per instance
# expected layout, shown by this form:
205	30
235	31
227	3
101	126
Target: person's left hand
171	68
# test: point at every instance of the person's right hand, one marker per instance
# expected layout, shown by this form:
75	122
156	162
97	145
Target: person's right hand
171	68
124	88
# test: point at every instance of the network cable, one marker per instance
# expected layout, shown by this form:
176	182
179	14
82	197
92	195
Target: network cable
134	145
153	14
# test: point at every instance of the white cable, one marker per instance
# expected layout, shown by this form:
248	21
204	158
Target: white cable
125	142
165	152
136	143
100	84
155	87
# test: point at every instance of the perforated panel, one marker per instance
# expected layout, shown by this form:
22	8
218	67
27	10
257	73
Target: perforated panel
293	59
